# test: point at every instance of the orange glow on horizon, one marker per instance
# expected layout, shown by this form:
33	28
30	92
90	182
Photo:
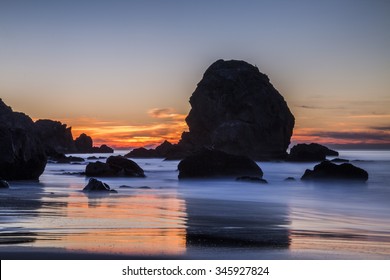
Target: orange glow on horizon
168	125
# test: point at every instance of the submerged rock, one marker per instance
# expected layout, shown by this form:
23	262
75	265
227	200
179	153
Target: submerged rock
22	154
114	166
213	163
96	185
310	152
235	109
4	184
327	170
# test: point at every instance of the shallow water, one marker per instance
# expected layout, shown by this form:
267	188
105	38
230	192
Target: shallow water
161	216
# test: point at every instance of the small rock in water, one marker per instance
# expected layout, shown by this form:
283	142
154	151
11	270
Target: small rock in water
4	184
96	185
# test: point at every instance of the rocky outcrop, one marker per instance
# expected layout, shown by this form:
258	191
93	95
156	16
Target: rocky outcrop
96	185
114	166
327	170
160	151
84	144
237	110
310	152
22	154
213	163
103	149
55	136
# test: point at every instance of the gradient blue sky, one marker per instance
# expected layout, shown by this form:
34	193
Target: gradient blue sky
108	67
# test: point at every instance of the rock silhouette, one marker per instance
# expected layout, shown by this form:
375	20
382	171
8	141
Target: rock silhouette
327	170
310	152
55	136
114	166
213	163
237	110
96	185
160	151
22	154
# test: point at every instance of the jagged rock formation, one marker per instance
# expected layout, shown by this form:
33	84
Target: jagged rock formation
22	154
213	163
310	152
327	170
55	136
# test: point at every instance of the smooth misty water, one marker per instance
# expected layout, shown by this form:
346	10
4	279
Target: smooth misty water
161	216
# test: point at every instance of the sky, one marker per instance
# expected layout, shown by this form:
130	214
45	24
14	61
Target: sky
123	71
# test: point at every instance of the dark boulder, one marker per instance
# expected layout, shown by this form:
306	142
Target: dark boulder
96	185
55	136
327	170
125	166
213	163
22	154
237	110
98	169
114	166
310	152
4	184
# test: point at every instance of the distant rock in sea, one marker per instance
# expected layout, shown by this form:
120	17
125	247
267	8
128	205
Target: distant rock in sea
22	154
84	144
160	151
115	166
310	152
237	110
212	163
327	170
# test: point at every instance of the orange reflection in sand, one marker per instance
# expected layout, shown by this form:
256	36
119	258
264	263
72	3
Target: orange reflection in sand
126	224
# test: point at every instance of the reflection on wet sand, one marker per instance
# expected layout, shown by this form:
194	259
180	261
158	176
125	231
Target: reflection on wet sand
229	223
138	223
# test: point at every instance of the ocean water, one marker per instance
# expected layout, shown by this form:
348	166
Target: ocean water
162	217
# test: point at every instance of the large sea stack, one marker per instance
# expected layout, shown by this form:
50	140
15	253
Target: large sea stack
237	110
22	155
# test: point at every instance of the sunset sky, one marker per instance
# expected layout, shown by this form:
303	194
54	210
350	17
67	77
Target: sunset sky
123	71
